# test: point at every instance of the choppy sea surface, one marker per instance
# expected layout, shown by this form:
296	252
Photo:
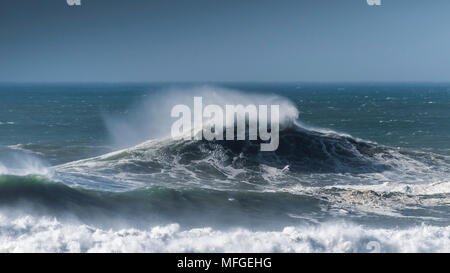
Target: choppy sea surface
92	168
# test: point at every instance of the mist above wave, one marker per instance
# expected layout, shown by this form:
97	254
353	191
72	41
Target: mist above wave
151	117
13	162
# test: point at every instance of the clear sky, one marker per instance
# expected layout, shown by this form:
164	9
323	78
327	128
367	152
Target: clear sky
224	40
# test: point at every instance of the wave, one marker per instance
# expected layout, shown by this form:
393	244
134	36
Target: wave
306	157
36	195
344	174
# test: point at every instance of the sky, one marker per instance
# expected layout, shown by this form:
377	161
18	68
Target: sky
224	40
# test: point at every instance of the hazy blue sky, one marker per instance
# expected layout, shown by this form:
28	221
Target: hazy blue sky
224	40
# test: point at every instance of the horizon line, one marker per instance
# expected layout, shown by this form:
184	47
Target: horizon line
226	82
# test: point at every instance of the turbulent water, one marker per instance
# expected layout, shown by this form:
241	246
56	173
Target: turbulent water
359	168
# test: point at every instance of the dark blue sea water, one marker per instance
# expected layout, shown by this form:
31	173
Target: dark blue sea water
90	167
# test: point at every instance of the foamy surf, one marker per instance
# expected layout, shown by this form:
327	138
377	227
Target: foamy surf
34	234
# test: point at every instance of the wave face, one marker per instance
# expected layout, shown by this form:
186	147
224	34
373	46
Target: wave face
321	191
304	156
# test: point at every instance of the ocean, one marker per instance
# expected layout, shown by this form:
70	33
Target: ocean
360	167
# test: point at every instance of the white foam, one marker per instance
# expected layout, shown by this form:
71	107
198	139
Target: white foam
33	234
